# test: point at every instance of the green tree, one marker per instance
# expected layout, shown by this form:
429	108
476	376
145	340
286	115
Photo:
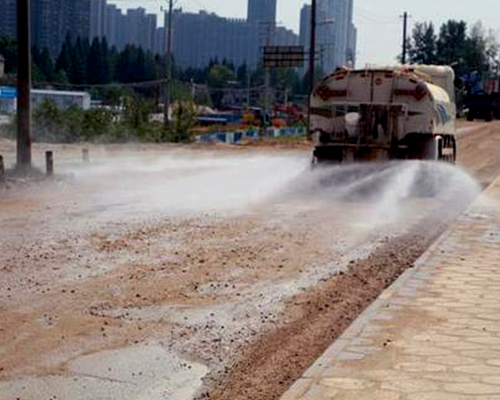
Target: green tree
423	44
220	75
135	118
35	55
242	74
79	62
63	62
97	123
286	79
184	119
481	50
452	45
46	65
48	122
8	49
96	63
36	73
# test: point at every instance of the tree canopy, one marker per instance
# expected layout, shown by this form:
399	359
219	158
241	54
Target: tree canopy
467	50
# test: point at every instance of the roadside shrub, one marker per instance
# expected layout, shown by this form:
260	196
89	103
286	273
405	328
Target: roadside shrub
49	124
183	121
97	123
135	122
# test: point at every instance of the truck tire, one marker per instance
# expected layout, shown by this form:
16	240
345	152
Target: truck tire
470	117
327	155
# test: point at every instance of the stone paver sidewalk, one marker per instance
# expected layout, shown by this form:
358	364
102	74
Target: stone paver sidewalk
435	334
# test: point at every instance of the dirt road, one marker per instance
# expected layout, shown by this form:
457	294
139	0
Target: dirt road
169	273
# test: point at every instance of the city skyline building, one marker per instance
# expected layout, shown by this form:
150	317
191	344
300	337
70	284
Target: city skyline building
197	37
262	11
204	37
336	34
8	19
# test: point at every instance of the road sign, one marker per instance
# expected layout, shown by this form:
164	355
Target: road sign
284	56
7	92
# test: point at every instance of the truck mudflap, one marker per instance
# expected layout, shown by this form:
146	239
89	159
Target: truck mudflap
420	147
348	152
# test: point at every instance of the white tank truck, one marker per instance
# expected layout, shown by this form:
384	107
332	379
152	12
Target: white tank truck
385	113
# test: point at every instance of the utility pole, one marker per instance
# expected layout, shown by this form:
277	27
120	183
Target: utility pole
193	90
23	85
168	86
312	63
248	88
405	31
270	26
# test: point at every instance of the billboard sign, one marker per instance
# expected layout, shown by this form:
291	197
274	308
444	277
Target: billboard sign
7	92
284	56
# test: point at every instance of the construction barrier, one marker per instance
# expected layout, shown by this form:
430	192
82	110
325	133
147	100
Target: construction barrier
236	137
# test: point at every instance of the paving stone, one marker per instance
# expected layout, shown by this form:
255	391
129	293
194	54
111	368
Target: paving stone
347	383
435	333
494	380
420	367
374	395
439	396
410	385
472	388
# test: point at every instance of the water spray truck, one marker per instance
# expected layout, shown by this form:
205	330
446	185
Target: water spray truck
385	113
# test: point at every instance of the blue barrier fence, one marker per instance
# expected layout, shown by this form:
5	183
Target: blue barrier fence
236	137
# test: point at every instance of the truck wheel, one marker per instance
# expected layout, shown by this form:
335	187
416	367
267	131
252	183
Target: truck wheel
470	117
327	155
433	149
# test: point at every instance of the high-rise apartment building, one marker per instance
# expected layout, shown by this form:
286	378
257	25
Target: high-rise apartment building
98	18
261	11
8	19
199	38
53	20
2	65
305	25
336	34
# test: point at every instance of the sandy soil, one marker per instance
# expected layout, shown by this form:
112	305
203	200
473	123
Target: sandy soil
240	264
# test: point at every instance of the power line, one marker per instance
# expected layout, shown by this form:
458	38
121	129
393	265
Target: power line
106	85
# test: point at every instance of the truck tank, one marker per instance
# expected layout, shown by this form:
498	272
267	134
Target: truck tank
384	113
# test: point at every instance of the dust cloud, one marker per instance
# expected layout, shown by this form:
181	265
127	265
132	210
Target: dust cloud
188	183
395	193
367	196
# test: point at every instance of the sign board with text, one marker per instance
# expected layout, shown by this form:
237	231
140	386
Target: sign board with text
284	56
7	92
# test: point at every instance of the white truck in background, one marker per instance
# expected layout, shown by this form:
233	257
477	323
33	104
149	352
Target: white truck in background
385	113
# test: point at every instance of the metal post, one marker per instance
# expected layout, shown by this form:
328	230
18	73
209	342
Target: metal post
193	90
85	156
2	169
248	88
405	29
23	84
267	101
270	26
312	63
169	65
49	163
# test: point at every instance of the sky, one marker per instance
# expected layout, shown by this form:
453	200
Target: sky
379	22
